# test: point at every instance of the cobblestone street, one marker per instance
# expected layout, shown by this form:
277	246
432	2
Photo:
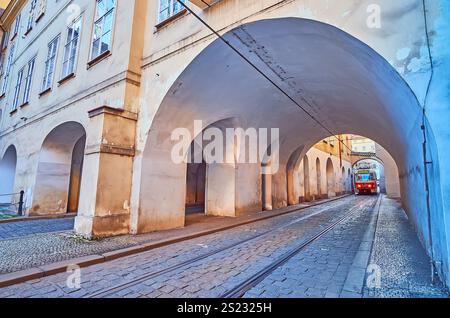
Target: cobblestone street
22	229
22	250
212	265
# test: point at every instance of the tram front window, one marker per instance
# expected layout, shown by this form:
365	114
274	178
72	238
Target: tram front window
365	177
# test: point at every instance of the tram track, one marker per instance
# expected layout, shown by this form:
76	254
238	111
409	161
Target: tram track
142	278
242	288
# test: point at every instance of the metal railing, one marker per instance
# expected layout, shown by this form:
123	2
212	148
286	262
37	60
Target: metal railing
14	205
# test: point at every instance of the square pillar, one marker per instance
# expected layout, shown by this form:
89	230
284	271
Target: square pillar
104	208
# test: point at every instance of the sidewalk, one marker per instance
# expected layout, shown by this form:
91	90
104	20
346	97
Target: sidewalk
404	264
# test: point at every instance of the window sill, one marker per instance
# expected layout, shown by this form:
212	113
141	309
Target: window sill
28	31
98	59
45	92
14	111
170	19
66	78
39	17
24	105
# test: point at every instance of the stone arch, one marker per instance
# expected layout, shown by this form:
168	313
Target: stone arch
8	164
58	178
359	93
331	179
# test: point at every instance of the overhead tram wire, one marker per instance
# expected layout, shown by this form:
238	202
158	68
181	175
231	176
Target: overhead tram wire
278	87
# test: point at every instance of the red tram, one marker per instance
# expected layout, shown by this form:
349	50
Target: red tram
366	182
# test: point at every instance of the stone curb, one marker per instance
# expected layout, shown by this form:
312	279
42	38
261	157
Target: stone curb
354	283
39	272
38	218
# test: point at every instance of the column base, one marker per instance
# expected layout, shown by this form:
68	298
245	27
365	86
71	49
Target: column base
102	226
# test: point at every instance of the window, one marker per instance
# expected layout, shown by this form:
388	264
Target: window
2	62
28	81
31	15
16	26
103	24
8	69
5	40
50	64
17	89
71	48
41	10
168	8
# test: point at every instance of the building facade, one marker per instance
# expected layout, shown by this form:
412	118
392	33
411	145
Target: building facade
93	90
363	145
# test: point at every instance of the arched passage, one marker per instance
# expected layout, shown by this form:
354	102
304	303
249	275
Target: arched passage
195	187
59	171
344	83
331	179
8	165
388	172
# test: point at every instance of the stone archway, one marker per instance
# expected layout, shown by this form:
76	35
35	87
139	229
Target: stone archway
331	179
58	179
346	84
8	165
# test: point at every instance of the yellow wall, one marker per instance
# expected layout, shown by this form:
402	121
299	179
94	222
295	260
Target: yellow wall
331	146
4	3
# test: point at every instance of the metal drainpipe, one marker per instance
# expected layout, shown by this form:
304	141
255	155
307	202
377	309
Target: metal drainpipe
425	161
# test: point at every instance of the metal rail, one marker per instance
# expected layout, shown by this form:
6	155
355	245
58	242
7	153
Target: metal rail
142	278
19	204
241	289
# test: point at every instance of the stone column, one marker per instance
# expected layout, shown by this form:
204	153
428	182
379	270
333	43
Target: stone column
220	189
267	192
279	189
248	188
107	173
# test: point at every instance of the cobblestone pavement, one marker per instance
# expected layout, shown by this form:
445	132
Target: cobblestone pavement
321	269
26	228
405	266
207	277
26	252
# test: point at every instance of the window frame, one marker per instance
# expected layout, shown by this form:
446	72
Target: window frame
31	18
47	77
171	12
5	40
7	73
68	45
17	88
16	28
31	66
93	59
41	10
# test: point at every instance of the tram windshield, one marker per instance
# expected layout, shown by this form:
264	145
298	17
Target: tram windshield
365	177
